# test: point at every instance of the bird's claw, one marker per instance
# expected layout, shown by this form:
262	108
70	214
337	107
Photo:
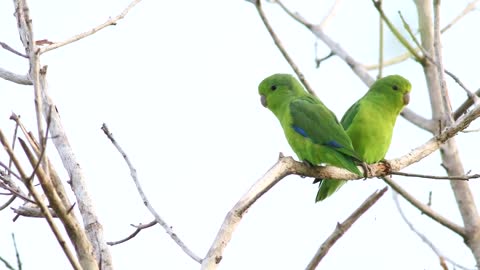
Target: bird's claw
388	166
367	171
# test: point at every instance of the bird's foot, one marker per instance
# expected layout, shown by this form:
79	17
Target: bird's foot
367	171
388	166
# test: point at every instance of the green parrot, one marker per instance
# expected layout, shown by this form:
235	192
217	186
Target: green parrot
312	130
369	123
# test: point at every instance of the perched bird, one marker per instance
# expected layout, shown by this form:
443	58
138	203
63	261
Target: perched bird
312	130
369	123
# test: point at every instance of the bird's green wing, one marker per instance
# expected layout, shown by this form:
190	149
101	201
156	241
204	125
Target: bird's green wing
348	117
313	120
328	186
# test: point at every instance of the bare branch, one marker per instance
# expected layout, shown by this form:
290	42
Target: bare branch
470	7
76	234
12	50
459	177
279	45
139	228
437	46
46	212
418	120
392	61
146	202
334	47
402	57
380	45
423	237
8	202
32	210
342	228
331	13
470	94
424	208
10	76
396	33
17	254
234	216
92	225
109	22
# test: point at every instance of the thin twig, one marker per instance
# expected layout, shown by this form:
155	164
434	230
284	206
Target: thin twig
390	62
342	228
424	208
15	133
8	202
279	45
437	46
16	191
470	7
396	33
380	45
459	177
139	228
470	94
402	57
110	21
357	68
422	236
7	264
159	220
331	13
12	50
17	254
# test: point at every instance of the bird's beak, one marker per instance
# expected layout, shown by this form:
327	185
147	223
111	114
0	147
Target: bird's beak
406	98
263	99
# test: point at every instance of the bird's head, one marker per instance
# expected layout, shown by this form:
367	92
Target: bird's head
278	89
395	88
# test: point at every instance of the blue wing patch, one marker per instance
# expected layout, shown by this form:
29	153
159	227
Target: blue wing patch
334	144
300	131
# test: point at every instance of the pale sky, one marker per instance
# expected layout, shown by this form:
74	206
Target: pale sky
176	82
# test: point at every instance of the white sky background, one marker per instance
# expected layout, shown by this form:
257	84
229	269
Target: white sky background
176	82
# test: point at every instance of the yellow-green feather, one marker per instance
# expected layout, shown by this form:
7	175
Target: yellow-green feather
369	123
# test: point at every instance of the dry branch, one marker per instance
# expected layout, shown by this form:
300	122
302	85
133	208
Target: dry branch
146	202
109	22
342	228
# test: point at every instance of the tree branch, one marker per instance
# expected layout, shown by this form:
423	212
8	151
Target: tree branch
424	208
76	234
457	177
280	47
146	202
342	228
38	199
464	107
109	22
423	237
138	229
10	76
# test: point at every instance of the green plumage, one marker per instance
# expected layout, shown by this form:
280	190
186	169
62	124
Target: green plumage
312	130
369	123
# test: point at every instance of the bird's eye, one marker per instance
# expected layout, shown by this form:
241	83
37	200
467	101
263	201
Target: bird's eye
395	87
273	87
